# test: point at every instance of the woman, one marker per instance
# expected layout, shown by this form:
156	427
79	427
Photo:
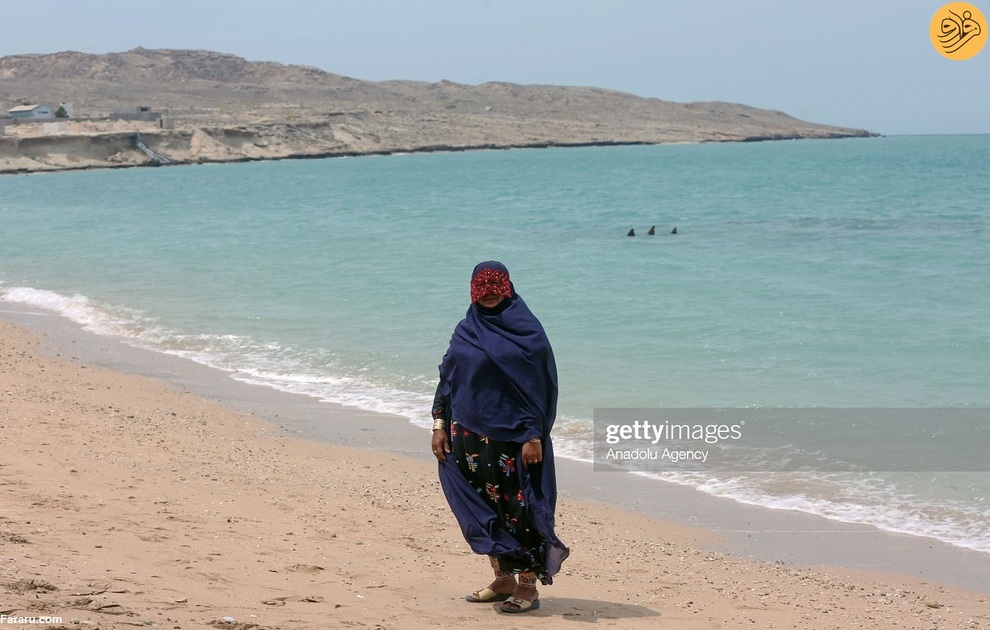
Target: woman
493	411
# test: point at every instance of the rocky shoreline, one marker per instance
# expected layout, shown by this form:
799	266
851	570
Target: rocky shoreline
80	147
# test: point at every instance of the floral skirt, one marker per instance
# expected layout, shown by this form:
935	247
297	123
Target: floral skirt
490	467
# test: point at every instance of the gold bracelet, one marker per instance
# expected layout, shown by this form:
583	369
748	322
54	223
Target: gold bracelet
439	424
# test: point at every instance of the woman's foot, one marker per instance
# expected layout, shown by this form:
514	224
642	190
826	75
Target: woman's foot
498	591
524	598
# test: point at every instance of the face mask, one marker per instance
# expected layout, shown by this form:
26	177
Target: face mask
488	282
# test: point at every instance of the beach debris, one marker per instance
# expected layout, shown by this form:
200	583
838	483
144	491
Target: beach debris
305	568
229	623
110	609
280	601
26	586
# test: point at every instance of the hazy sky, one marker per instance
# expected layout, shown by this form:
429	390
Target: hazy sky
857	63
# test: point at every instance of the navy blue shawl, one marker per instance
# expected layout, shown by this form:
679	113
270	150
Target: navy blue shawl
498	378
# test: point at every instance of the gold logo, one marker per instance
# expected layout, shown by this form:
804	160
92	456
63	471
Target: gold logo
958	31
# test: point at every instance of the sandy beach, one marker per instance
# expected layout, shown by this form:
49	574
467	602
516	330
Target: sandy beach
156	495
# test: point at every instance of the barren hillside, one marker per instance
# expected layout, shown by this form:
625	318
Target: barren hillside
225	108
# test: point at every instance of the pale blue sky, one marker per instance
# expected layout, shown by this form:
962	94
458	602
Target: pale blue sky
866	64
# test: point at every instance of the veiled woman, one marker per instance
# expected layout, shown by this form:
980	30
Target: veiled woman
495	405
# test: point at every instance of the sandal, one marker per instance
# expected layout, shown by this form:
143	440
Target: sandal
486	595
521	605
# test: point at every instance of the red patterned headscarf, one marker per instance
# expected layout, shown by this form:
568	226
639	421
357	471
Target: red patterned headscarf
488	278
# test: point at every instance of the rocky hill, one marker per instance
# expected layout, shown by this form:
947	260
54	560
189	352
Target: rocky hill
225	108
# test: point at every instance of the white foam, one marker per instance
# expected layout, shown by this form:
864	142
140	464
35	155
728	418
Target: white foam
77	308
880	508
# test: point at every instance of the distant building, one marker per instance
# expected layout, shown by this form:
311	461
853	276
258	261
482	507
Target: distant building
137	112
70	111
31	112
54	128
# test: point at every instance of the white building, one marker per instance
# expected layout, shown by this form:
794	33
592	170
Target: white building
31	112
54	128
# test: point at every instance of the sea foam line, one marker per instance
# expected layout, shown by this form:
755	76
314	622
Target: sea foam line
912	520
229	353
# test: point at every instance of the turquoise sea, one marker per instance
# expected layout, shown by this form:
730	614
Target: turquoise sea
824	274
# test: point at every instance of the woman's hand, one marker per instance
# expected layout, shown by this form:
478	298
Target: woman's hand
440	444
532	452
